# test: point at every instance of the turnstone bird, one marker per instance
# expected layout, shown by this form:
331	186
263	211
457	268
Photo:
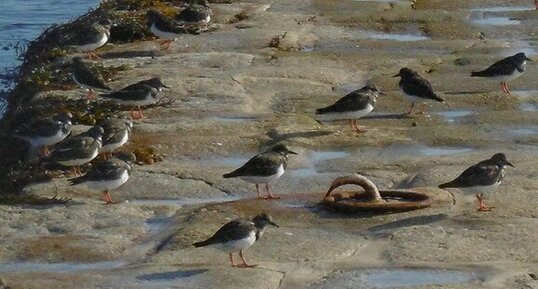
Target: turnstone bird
154	82
107	175
416	88
78	150
195	14
136	95
505	70
116	133
164	28
483	176
45	132
87	77
92	37
354	105
238	235
264	168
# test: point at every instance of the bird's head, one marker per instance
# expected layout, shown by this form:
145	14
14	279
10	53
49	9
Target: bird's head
373	89
282	149
157	83
106	23
65	117
500	160
152	15
95	132
126	156
405	73
204	3
263	220
522	57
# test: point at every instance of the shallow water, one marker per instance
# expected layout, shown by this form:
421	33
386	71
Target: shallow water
23	20
497	21
180	202
394	36
454	115
58	267
397	278
502	9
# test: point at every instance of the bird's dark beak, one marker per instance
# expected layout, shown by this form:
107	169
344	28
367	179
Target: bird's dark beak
382	93
509	164
165	86
273	224
396	75
293	153
528	58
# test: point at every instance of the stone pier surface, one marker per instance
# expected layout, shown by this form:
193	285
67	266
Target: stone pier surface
235	96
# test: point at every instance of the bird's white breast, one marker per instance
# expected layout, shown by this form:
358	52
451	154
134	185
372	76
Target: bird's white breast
163	34
237	245
103	185
92	46
346	115
264	179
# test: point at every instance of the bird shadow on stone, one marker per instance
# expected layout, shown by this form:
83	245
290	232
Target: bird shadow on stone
407	222
129	54
388	116
278	137
172	275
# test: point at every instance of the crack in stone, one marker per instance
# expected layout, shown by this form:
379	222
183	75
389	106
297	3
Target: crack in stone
184	177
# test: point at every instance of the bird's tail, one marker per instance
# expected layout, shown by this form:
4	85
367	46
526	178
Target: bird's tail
76	181
438	98
203	243
445	185
478	74
229	175
321	110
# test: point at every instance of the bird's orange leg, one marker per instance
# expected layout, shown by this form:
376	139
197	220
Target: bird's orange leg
245	265
270	196
411	108
357	128
138	116
140	113
351	125
232	260
481	206
108	198
258	190
45	152
166	43
506	87
91	94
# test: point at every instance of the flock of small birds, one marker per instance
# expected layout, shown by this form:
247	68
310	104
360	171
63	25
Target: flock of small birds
113	170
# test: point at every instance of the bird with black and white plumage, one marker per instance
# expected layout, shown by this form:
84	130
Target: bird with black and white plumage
45	132
78	150
505	70
416	88
353	106
116	133
138	94
92	37
238	235
87	77
481	177
264	168
195	14
107	175
164	27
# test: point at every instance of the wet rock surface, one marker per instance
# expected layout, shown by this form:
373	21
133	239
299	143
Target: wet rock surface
235	96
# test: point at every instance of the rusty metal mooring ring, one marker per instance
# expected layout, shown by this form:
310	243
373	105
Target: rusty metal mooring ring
372	200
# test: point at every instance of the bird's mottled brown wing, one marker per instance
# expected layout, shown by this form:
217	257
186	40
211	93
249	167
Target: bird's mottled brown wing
420	87
264	164
351	102
477	175
504	66
234	230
